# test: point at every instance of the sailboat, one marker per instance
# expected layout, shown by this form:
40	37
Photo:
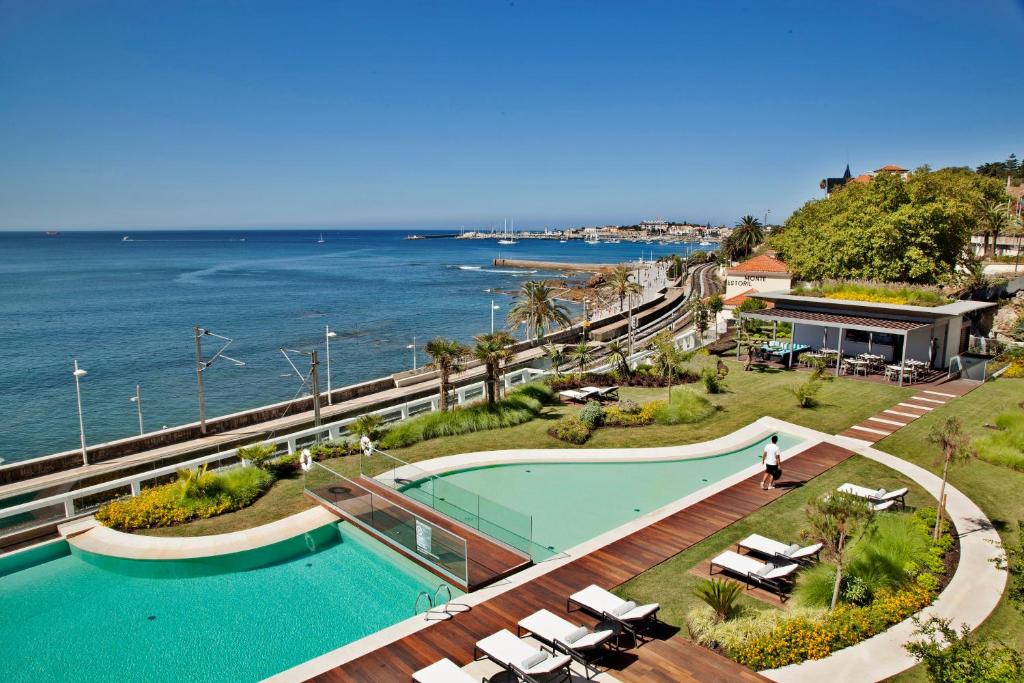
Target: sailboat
506	239
321	240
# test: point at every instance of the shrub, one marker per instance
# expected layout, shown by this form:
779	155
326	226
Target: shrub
706	629
1006	446
571	429
686	408
368	425
806	392
952	656
519	406
259	454
333	449
713	382
196	495
874	291
592	414
629	407
720	595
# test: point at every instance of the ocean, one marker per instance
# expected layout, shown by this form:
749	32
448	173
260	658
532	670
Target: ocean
125	310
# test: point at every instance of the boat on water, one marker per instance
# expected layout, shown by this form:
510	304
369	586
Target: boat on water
321	240
52	233
415	237
562	241
126	238
506	240
705	243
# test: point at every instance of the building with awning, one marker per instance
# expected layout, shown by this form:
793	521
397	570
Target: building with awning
933	335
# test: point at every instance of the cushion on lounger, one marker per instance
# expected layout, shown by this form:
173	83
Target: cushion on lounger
765	570
623	608
880	492
575	635
792	548
533	660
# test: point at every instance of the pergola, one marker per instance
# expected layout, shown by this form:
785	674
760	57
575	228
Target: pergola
842	323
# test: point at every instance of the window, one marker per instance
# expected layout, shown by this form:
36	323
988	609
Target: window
881	338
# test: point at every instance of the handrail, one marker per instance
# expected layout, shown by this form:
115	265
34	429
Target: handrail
416	605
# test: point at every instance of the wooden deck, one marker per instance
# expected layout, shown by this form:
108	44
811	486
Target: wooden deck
928	397
488	560
663	659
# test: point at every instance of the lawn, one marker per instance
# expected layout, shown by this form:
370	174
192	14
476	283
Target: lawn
671	583
748	396
995	489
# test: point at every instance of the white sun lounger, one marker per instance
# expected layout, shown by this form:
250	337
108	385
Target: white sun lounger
773	576
880	498
519	657
602	392
776	549
609	606
444	671
576	641
581	396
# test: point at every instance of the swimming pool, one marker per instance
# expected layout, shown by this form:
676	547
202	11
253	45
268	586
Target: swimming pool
72	615
571	502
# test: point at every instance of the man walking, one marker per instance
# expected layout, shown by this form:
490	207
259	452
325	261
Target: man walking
771	458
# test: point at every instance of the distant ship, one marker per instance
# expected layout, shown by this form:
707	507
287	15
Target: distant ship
52	233
415	237
126	238
321	240
506	239
705	244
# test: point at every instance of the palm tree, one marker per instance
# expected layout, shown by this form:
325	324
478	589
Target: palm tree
617	351
582	354
668	357
537	309
493	348
619	284
747	235
956	447
556	356
446	357
993	220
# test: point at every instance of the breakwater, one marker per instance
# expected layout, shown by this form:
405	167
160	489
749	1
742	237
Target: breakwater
553	265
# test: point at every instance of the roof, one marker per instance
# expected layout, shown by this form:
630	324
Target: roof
737	299
761	264
862	178
852	322
955	308
891	168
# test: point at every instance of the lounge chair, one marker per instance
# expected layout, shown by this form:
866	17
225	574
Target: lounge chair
772	576
778	550
603	393
611	607
574	396
444	671
519	657
576	641
879	498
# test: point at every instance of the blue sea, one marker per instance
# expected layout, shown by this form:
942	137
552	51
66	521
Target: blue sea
125	310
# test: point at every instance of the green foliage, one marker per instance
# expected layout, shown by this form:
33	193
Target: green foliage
536	309
259	454
832	521
368	425
806	392
888	229
197	494
592	414
874	291
952	656
519	406
707	629
571	429
751	303
713	382
1000	170
1006	446
686	408
720	595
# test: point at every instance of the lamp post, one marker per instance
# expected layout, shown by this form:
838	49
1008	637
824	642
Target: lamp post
413	347
328	335
80	373
137	400
493	309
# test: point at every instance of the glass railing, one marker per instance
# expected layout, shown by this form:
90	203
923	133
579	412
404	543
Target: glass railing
511	527
390	522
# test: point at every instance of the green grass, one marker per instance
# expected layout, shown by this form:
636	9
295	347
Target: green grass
880	292
748	396
996	489
672	584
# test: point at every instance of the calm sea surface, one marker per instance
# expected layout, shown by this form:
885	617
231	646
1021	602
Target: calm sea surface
125	310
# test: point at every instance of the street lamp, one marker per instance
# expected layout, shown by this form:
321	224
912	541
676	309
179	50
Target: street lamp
328	335
494	307
137	400
80	373
413	347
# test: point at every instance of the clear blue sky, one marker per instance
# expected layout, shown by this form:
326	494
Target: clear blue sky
211	114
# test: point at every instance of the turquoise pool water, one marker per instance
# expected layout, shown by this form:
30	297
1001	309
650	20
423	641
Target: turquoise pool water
83	617
573	502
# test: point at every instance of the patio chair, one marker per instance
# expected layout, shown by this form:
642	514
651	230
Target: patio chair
574	396
520	658
443	671
631	616
776	578
880	498
780	551
578	642
603	393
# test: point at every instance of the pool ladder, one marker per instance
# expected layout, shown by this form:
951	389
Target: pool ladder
438	611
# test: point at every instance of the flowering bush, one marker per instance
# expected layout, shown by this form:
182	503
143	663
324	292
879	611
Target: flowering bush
571	429
592	414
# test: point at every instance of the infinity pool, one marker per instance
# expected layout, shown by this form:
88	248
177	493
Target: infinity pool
573	502
76	616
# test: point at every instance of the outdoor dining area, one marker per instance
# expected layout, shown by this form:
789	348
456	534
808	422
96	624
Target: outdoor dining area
865	364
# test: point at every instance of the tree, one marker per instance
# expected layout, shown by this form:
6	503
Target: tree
537	309
720	595
951	656
715	306
993	220
368	425
955	446
617	351
701	319
556	356
619	283
832	521
446	357
971	278
1011	168
582	354
668	357
677	267
746	237
494	349
888	229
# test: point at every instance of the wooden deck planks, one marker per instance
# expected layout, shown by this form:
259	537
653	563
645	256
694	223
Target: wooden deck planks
662	659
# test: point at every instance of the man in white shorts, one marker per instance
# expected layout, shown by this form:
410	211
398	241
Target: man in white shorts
772	461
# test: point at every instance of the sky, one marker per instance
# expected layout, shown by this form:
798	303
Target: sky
172	113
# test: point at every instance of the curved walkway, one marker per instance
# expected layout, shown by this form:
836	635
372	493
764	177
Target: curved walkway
104	541
972	594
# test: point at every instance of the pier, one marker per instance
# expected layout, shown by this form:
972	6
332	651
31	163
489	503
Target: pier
553	265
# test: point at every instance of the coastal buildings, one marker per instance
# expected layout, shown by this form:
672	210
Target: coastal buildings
830	185
762	273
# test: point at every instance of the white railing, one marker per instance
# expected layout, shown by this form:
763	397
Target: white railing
67	506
